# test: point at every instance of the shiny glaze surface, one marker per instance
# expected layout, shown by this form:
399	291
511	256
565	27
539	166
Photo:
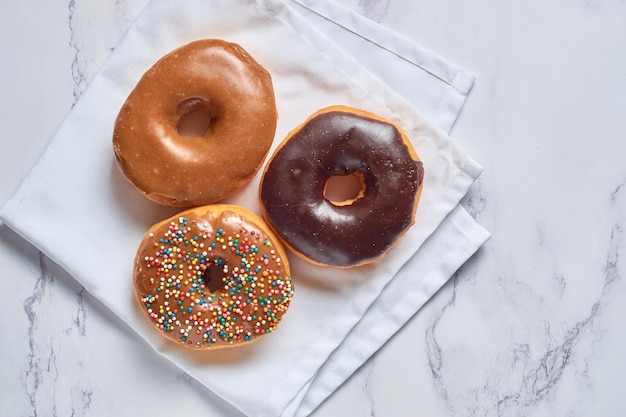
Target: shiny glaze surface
212	277
338	141
235	92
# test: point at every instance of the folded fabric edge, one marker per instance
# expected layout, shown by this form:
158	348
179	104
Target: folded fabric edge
345	64
152	343
460	82
345	360
451	104
384	38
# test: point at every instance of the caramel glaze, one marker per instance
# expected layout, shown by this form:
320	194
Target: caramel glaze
212	277
340	141
212	76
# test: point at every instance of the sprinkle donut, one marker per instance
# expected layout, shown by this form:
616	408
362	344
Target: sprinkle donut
212	277
230	95
334	142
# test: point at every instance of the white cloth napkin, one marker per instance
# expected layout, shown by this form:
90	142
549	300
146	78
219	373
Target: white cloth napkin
76	207
433	86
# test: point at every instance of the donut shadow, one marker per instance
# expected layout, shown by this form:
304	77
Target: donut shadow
209	357
172	349
246	195
322	278
139	208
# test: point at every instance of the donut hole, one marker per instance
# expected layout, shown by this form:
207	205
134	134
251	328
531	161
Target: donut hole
194	124
344	189
212	277
197	115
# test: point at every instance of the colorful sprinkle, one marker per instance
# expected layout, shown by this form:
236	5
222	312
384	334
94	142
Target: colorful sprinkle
184	276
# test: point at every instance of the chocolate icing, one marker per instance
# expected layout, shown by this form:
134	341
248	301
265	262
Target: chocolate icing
342	143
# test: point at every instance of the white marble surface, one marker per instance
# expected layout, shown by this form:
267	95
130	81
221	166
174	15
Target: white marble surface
530	326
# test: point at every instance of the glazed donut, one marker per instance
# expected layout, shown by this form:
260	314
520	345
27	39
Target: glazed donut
221	85
212	277
340	141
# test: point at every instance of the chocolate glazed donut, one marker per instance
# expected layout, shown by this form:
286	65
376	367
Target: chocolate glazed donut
339	141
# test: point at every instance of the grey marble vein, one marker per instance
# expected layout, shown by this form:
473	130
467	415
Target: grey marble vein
121	15
611	270
433	349
542	379
561	281
53	370
475	202
534	372
78	75
375	10
366	388
79	321
82	398
38	366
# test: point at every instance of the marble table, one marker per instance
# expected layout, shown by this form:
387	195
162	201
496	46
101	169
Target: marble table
532	325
